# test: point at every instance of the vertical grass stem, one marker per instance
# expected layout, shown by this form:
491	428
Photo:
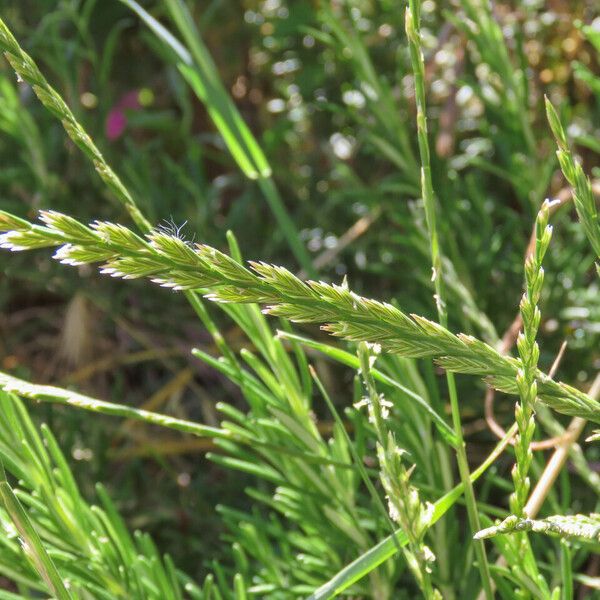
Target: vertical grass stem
416	56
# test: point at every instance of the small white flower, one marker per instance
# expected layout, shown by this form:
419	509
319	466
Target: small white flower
362	403
394	514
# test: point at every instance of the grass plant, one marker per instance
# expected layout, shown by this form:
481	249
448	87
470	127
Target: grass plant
344	445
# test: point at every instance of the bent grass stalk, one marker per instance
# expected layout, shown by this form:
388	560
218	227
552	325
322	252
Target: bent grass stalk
55	395
172	263
416	55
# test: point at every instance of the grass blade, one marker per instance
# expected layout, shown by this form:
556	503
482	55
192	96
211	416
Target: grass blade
30	540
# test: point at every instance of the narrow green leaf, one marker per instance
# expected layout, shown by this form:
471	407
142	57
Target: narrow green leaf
566	571
30	540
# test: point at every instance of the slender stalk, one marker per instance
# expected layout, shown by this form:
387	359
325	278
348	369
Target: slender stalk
583	192
416	55
55	395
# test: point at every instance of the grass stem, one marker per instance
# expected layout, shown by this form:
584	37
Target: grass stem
416	55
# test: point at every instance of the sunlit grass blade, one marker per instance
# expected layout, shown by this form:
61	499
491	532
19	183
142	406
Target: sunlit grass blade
199	70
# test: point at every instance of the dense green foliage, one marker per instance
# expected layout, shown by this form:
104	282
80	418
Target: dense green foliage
403	151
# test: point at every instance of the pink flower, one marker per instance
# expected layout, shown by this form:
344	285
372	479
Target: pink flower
116	122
